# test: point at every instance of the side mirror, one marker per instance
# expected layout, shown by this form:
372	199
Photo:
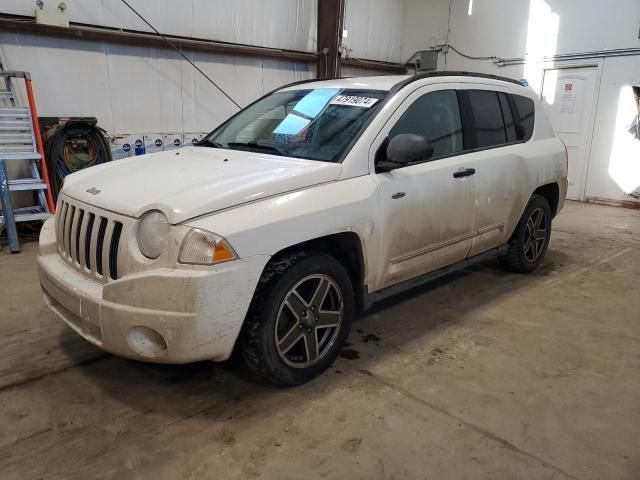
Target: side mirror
404	149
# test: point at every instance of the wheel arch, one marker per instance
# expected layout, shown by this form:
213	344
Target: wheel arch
347	247
551	193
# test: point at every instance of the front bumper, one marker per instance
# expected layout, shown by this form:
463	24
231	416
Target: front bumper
165	315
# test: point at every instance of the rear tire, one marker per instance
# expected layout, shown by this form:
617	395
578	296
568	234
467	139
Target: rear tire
299	319
530	240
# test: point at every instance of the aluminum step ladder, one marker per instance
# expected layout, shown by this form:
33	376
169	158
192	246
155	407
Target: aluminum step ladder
20	142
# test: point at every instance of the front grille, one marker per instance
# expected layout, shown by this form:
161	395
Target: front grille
88	239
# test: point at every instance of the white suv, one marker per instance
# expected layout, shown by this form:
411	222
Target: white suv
305	207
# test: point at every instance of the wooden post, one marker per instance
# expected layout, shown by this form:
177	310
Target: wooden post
330	25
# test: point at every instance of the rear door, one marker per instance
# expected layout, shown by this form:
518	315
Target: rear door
499	168
427	209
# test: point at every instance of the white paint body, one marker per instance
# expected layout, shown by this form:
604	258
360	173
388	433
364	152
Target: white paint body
262	204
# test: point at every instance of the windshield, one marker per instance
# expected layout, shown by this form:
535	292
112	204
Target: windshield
316	124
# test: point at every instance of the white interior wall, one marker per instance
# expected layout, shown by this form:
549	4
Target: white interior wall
506	28
614	167
374	29
538	28
392	30
424	21
135	90
289	24
141	89
144	90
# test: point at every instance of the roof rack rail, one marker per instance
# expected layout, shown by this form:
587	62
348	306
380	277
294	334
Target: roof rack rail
454	73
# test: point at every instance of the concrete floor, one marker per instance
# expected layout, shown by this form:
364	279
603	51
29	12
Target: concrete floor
484	375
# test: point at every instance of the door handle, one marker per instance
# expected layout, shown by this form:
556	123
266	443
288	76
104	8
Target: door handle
464	172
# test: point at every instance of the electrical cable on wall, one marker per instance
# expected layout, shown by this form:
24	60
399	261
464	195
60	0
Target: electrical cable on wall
181	54
471	57
414	60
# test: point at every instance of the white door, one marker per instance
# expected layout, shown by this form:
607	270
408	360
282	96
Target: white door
427	209
568	97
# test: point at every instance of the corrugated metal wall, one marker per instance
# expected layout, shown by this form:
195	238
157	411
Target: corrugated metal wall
287	24
140	89
374	29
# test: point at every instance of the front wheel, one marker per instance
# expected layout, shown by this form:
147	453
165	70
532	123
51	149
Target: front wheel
530	240
300	318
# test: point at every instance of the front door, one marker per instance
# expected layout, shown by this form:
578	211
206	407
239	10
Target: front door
568	97
428	209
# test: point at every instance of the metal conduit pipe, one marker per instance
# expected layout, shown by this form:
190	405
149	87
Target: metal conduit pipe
619	52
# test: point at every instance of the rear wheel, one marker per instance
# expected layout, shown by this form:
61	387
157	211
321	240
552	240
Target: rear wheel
530	240
300	318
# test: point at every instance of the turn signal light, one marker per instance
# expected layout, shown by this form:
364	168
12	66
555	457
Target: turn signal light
201	247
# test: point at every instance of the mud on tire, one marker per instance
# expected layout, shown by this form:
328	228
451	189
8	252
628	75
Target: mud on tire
530	240
299	318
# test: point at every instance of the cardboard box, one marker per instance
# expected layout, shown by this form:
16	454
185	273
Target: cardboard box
172	141
153	142
191	138
120	146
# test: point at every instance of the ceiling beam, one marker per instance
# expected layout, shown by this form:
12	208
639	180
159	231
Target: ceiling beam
382	67
137	38
19	24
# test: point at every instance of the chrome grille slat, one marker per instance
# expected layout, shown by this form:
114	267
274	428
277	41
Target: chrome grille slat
89	239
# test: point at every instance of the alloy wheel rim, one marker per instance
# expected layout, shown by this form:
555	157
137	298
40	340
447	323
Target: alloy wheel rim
309	320
535	235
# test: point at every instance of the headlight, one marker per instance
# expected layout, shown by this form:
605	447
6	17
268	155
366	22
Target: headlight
200	247
153	233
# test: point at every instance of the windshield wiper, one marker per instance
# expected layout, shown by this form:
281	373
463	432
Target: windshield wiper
205	142
259	146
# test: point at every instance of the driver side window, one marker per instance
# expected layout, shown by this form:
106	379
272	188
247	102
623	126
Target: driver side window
435	116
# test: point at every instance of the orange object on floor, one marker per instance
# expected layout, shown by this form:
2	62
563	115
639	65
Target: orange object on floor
36	130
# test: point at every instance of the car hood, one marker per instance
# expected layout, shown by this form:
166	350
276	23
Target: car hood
193	181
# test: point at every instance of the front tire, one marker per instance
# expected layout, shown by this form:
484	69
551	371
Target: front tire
529	242
299	319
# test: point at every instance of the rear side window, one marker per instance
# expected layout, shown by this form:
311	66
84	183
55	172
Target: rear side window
436	116
509	122
525	116
487	116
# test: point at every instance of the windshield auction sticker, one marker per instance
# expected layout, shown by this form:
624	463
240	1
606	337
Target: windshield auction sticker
354	101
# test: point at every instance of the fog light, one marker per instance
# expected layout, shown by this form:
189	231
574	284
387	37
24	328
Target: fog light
146	342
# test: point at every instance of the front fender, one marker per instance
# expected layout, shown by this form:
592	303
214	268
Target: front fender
273	224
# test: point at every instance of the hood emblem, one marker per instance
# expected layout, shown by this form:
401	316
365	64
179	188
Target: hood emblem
93	191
